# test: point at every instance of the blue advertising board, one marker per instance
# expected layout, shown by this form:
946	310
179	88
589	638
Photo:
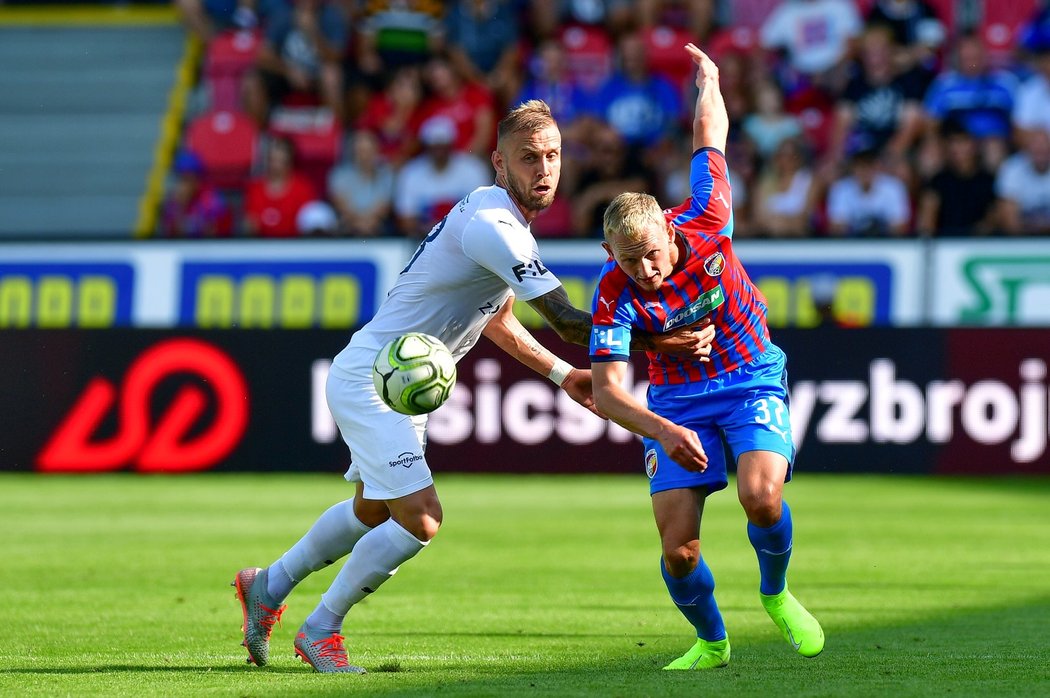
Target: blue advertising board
66	294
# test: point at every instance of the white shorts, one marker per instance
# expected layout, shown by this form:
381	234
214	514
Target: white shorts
386	448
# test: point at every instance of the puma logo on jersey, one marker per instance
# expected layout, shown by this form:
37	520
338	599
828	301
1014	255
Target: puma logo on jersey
607	304
722	197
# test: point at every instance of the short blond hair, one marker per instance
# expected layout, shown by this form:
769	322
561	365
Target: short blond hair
627	216
527	117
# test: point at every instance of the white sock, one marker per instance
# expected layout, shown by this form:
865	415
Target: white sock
375	559
331	537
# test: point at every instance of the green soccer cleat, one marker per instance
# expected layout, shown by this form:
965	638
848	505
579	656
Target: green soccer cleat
797	625
324	652
703	655
260	613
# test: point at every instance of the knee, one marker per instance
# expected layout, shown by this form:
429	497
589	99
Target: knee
427	527
681	560
423	522
762	505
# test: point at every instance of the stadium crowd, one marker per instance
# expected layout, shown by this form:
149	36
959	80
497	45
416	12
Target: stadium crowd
849	118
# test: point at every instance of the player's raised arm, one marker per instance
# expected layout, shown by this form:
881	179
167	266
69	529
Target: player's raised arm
574	326
616	403
710	119
711	194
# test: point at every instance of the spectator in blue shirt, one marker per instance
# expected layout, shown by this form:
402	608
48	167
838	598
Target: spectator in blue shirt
644	108
976	96
482	39
301	54
549	80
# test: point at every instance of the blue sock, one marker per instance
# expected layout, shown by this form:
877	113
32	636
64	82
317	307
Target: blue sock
694	595
773	546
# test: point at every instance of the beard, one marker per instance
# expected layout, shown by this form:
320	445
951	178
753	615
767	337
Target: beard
526	197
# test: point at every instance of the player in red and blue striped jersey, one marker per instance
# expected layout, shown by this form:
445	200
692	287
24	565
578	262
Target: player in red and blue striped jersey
675	268
708	275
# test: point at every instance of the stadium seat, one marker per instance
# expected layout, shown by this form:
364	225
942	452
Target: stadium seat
230	55
663	53
588	54
316	137
740	40
750	14
945	10
226	142
1000	25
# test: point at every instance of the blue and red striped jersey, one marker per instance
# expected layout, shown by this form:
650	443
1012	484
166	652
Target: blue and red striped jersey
708	279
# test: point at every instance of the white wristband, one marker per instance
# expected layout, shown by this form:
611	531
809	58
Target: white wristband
560	372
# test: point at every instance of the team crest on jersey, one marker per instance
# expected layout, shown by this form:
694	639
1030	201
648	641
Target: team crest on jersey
715	264
650	463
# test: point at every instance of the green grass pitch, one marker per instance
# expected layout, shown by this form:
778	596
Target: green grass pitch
118	585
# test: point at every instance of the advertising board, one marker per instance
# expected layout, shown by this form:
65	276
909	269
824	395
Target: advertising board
327	284
862	400
197	284
991	283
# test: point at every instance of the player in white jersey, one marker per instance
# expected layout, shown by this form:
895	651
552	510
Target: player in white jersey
460	284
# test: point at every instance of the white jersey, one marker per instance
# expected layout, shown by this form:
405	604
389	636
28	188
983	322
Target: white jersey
459	276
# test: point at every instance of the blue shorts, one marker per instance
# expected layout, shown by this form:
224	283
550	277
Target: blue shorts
744	410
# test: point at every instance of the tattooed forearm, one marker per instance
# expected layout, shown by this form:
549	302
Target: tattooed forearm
572	324
524	338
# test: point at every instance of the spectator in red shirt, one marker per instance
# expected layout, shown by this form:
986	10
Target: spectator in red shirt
468	104
393	116
272	201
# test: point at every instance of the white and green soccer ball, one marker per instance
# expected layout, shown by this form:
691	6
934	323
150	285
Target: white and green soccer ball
414	373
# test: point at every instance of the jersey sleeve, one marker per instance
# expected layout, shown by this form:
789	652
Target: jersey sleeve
611	319
501	244
710	207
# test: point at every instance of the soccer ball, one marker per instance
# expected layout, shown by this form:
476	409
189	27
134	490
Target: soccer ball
414	373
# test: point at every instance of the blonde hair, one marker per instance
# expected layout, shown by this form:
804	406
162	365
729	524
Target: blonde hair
627	216
527	117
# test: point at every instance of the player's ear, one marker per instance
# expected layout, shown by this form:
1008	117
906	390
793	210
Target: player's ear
607	248
670	231
497	161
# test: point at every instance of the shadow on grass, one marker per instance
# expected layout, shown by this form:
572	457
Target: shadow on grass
146	669
974	652
970	652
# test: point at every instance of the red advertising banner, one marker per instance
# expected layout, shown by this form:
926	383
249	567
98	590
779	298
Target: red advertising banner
151	401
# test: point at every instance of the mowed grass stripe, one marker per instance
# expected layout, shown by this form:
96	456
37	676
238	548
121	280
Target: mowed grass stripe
117	585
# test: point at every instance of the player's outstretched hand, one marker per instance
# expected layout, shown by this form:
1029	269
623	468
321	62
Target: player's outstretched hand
579	387
705	67
687	342
684	448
